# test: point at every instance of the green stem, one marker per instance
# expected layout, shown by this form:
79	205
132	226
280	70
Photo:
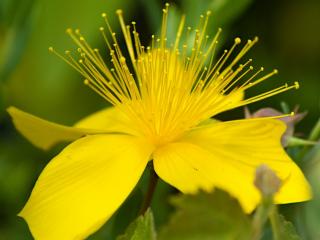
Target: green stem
314	136
151	188
260	218
275	223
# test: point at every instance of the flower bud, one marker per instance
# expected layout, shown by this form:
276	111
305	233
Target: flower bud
267	181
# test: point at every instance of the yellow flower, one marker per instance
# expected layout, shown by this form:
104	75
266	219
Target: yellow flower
163	100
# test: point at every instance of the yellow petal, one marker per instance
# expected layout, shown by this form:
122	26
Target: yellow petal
84	185
295	188
45	134
225	155
109	119
42	133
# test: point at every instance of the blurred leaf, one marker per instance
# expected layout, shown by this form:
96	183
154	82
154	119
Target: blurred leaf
207	216
153	11
2	112
45	85
285	107
287	230
127	213
16	35
312	208
315	132
160	202
224	11
141	229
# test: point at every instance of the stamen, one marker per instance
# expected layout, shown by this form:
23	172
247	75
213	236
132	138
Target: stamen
162	88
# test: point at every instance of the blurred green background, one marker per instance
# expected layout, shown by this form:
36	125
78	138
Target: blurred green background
40	83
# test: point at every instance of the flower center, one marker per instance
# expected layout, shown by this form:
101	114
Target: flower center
167	89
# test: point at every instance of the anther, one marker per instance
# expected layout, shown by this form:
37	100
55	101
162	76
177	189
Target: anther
119	11
237	40
208	13
51	49
86	82
275	71
296	85
69	30
104	15
101	29
122	59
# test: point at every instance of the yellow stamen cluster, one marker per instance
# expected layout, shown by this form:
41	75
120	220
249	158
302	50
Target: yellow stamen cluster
167	89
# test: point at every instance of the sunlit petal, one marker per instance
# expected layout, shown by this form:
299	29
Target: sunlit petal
42	133
84	185
225	155
108	119
45	134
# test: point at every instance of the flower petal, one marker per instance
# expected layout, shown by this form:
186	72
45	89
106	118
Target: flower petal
42	133
225	155
45	134
84	185
109	119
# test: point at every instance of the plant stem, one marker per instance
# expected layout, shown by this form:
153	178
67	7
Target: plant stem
261	217
274	219
153	180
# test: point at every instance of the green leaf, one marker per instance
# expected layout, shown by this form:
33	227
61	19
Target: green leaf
41	75
286	230
141	229
207	216
20	22
153	11
224	11
315	132
285	107
128	212
227	11
311	221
